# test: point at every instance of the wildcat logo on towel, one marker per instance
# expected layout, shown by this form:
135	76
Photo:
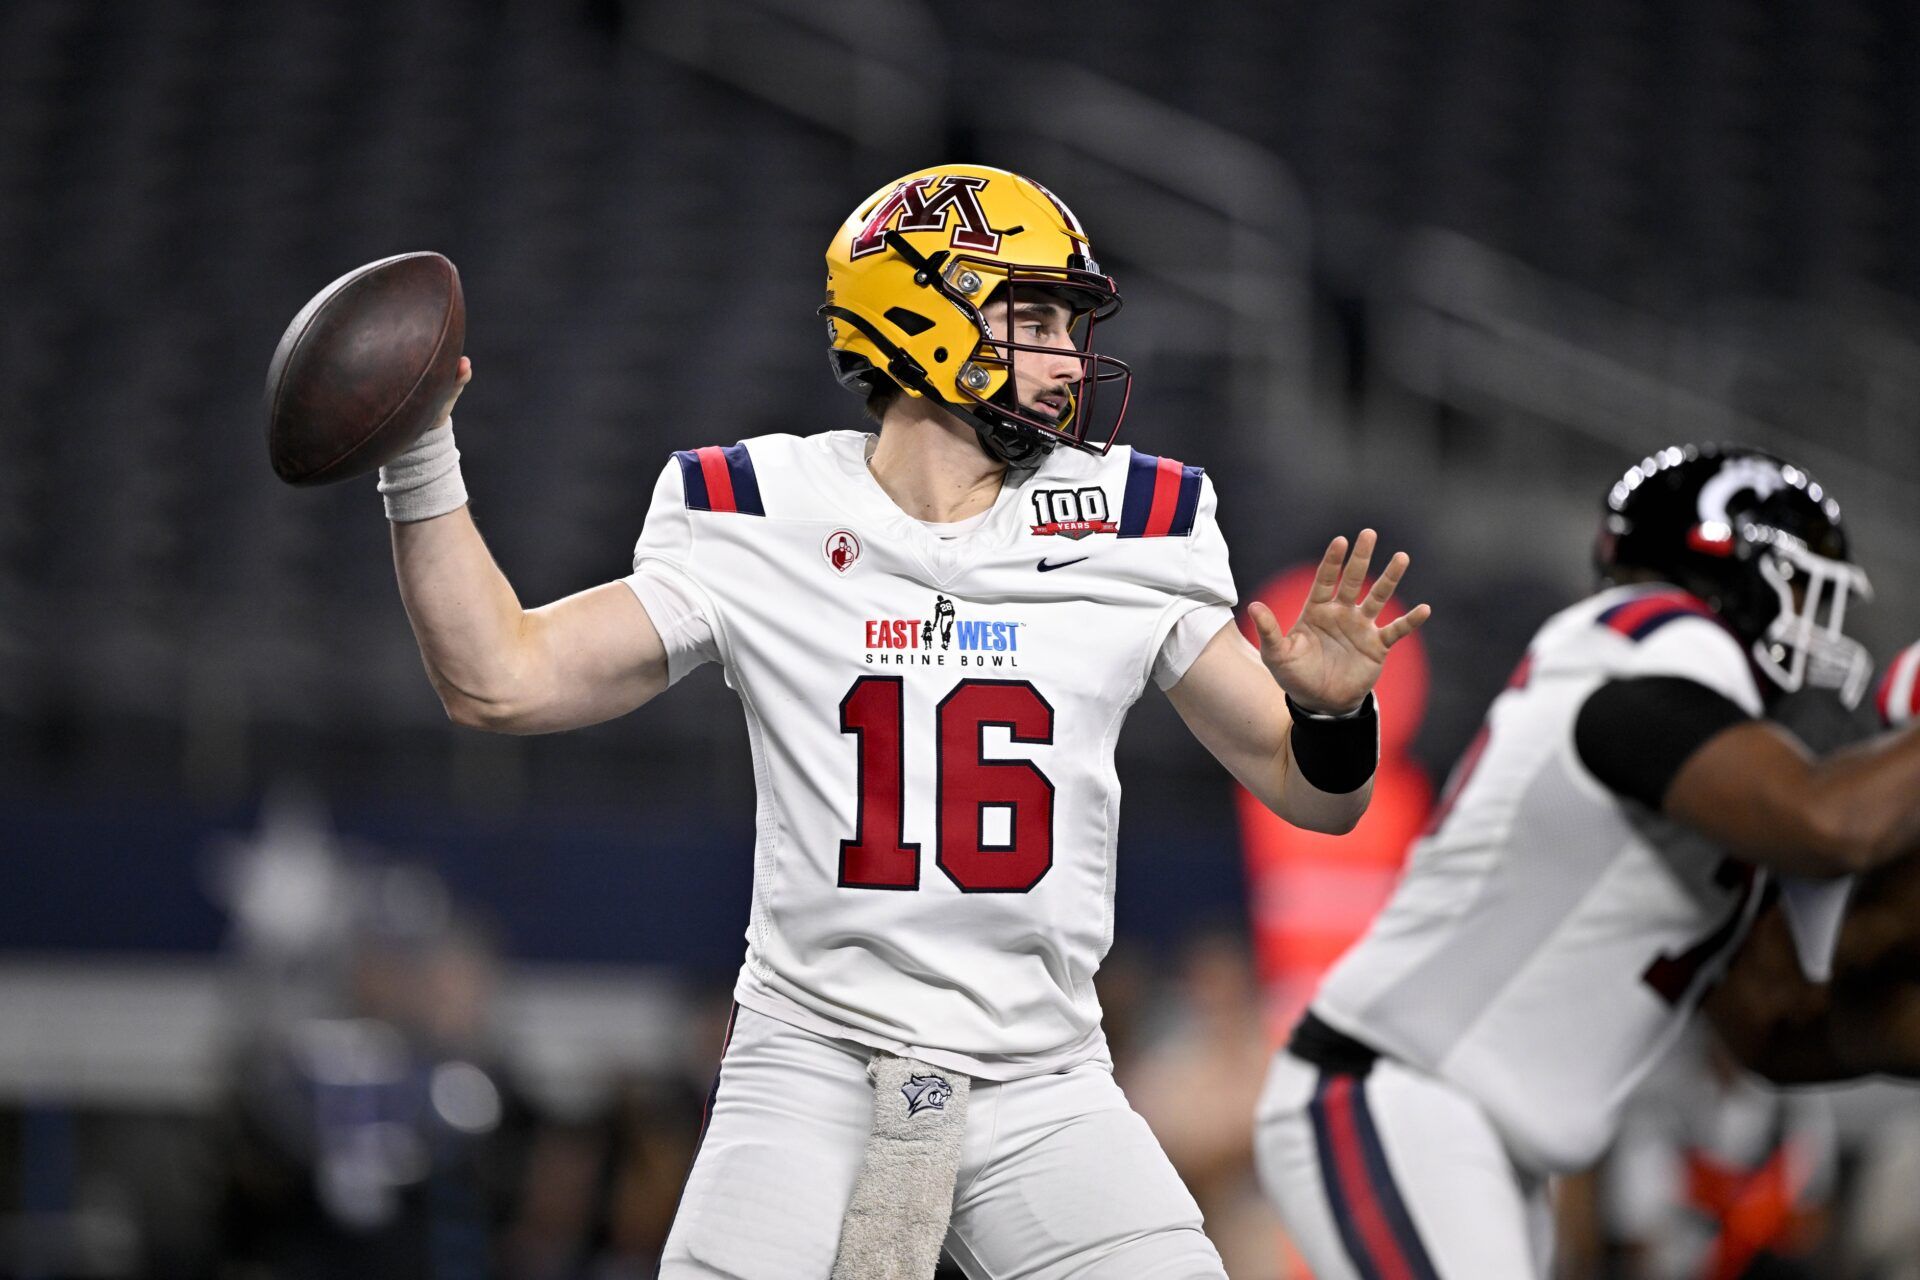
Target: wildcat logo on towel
926	1093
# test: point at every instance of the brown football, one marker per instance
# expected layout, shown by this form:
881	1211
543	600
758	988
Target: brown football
365	368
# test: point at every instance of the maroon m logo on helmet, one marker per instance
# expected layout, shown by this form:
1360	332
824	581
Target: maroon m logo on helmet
912	208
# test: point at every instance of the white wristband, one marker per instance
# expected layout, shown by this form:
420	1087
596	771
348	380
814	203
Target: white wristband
424	482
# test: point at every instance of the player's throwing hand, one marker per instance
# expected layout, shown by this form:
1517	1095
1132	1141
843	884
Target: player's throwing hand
1330	659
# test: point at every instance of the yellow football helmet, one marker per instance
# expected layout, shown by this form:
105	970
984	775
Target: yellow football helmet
908	273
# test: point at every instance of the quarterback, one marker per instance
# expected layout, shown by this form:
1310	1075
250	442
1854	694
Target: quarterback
935	631
1599	853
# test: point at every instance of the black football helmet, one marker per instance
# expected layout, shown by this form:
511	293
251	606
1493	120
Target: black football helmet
1760	542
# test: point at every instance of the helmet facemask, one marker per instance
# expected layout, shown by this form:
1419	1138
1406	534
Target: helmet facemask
1088	420
1805	644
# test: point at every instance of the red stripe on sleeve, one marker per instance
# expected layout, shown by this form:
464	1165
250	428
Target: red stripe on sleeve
1166	498
1630	616
1369	1218
1898	697
713	465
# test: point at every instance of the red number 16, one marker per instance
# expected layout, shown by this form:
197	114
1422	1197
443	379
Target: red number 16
879	857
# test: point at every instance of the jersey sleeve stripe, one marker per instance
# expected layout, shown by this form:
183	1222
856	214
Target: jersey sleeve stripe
720	479
1161	500
1189	505
1638	619
746	488
1142	468
1166	498
713	465
1896	698
694	480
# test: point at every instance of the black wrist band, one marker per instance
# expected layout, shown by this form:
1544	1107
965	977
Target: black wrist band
1336	755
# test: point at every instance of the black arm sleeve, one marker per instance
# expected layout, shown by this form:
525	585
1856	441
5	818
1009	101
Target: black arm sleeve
1634	734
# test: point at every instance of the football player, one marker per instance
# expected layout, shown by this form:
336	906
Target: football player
1864	1019
935	632
1595	857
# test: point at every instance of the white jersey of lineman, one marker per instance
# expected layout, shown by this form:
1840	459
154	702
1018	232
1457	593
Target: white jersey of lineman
933	724
1549	939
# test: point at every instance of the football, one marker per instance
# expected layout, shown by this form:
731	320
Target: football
366	367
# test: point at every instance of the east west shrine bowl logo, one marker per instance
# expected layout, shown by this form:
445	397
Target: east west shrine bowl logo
942	638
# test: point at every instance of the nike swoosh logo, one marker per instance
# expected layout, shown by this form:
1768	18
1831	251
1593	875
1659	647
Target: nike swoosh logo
1045	567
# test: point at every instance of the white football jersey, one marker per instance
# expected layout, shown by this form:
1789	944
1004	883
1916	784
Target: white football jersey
1548	939
933	722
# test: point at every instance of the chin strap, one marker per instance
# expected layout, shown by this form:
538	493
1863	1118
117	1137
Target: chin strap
1015	448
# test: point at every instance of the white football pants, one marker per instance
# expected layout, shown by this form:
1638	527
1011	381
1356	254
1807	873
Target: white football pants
1396	1175
1059	1177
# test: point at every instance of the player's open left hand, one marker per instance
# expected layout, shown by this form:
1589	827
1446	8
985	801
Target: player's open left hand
1333	654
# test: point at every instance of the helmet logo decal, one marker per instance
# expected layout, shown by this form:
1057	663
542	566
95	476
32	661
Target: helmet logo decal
1735	476
912	208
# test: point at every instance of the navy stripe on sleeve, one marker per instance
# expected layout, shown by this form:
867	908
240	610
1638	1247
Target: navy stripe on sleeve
1137	505
746	488
1189	506
695	480
1640	617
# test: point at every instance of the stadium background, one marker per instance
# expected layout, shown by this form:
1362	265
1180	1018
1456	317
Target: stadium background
271	924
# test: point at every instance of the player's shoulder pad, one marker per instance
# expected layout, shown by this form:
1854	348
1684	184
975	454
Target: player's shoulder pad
724	479
1159	497
1668	631
1643	615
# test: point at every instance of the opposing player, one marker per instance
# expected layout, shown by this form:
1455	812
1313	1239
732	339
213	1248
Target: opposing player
1863	1017
1596	856
935	634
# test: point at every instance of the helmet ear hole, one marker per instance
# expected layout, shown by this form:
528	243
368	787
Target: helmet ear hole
911	323
939	355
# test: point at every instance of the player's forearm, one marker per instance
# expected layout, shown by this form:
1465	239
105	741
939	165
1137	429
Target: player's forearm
466	617
1253	736
1305	805
1755	790
1866	805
